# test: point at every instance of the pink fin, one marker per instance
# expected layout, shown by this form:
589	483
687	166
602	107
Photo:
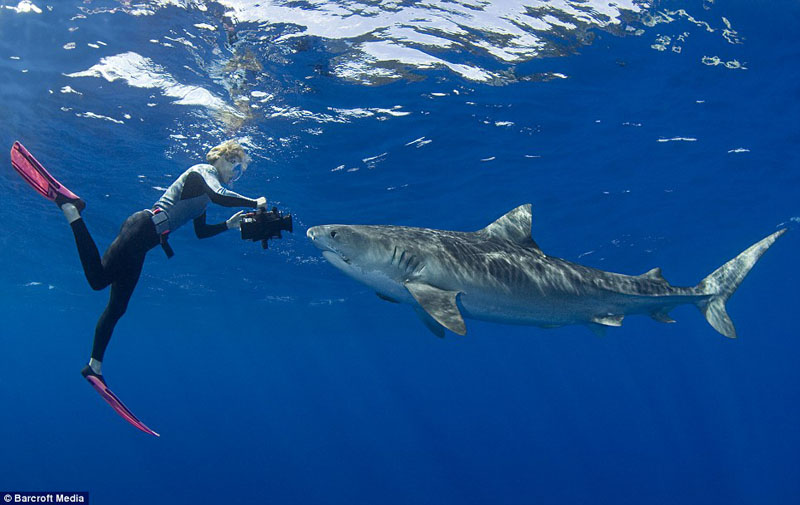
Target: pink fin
117	405
35	174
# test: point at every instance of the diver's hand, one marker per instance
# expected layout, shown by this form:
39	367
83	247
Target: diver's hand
261	202
235	220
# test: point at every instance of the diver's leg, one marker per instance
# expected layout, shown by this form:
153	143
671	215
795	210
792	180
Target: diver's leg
101	272
90	257
122	264
121	290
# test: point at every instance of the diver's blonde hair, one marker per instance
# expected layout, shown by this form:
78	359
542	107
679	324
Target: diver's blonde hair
231	150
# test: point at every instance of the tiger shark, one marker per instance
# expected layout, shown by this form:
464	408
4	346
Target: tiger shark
500	274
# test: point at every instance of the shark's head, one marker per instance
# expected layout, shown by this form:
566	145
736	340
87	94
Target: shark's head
379	256
348	247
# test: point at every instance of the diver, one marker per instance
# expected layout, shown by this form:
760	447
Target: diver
121	264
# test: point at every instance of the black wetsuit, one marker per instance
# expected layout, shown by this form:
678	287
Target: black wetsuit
122	262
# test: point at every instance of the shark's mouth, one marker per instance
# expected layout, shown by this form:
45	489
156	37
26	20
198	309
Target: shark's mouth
328	251
334	256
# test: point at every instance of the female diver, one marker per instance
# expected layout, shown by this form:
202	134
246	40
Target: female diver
120	266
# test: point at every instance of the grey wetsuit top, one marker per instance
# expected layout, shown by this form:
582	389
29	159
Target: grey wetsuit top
186	199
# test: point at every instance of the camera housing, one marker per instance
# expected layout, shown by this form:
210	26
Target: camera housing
263	225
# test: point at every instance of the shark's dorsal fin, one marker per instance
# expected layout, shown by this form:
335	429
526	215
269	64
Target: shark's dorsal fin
514	226
439	304
654	275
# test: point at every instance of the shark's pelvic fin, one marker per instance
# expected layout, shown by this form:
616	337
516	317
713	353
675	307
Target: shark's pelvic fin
662	317
597	329
723	282
440	304
430	323
608	320
514	226
387	298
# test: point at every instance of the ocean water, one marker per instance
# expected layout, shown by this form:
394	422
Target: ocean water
644	134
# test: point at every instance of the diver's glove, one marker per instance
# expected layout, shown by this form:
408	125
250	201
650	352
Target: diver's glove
261	202
235	220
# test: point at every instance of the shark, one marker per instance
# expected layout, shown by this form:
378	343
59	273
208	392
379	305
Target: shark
500	274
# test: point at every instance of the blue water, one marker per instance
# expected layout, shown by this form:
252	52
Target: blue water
273	378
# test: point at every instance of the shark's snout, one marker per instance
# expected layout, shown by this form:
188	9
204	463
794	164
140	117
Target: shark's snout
320	236
324	238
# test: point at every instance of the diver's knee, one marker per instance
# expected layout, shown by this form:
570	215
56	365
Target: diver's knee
96	278
114	311
118	312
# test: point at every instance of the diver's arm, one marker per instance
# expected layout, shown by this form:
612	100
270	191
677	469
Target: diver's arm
219	194
197	184
203	230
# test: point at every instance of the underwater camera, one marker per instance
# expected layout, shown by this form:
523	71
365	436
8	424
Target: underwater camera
264	225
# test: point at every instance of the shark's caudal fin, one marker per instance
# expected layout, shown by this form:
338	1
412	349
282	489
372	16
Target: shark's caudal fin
723	282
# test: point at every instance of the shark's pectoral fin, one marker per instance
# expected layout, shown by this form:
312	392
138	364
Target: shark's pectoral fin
440	304
430	323
387	298
608	320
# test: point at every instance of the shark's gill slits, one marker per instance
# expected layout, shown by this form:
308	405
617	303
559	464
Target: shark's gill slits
408	267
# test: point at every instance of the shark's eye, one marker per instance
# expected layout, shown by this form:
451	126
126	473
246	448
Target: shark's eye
333	234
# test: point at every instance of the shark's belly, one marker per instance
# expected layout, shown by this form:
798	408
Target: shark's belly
554	310
558	308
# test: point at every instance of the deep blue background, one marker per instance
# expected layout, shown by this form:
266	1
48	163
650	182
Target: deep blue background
275	379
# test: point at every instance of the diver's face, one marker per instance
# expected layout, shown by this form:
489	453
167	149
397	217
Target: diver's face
236	172
230	169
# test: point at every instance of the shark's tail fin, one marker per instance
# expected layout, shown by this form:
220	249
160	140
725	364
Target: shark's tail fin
723	282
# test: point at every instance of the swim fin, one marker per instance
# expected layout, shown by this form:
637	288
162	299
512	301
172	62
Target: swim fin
100	386
40	179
